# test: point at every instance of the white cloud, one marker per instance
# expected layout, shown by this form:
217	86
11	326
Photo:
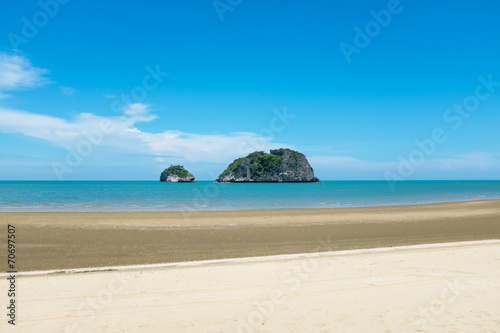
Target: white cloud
139	112
126	137
193	147
173	145
17	72
136	109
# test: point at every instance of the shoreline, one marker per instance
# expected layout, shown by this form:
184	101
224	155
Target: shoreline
60	240
110	217
244	209
279	257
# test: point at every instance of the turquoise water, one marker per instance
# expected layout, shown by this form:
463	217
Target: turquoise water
38	196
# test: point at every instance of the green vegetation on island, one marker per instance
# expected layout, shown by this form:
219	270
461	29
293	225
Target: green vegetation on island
176	174
280	165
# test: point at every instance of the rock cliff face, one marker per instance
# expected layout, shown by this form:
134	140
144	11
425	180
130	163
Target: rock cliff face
176	174
280	166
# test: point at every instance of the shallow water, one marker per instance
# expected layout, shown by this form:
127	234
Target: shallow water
16	196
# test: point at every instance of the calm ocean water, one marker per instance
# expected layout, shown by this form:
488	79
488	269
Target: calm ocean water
38	196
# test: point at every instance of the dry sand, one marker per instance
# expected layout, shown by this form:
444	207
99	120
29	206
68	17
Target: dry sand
73	240
442	288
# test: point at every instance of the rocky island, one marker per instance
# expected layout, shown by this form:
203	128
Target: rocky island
280	166
176	174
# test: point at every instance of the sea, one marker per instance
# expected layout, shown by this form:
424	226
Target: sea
119	196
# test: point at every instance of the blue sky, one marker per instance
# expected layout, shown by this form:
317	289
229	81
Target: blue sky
244	76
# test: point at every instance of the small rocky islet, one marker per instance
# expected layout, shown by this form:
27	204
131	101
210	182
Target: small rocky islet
176	174
278	166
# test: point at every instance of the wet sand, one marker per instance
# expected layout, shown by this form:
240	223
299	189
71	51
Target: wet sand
73	240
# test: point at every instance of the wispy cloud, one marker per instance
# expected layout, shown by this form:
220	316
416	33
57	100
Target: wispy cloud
333	163
139	112
67	90
194	147
17	72
470	161
476	160
126	137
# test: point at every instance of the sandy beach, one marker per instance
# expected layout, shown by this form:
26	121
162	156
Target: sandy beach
76	240
424	288
433	267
